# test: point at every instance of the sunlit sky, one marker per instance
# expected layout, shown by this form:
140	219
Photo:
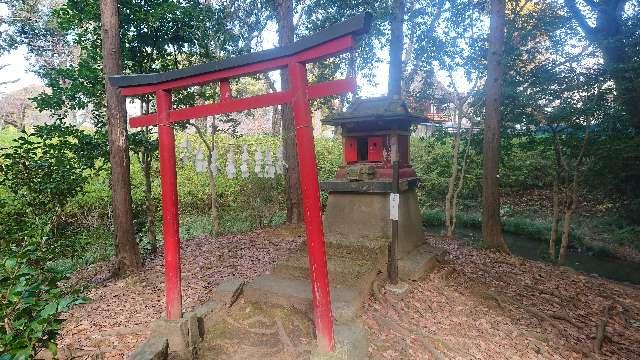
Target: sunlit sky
19	68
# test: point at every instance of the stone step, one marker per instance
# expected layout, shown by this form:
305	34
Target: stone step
346	303
419	262
343	272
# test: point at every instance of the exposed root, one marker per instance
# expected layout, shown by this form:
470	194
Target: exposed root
602	329
424	339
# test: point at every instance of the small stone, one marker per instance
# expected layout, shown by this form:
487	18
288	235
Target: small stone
156	348
397	289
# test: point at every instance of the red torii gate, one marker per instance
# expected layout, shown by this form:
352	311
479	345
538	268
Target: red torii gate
337	39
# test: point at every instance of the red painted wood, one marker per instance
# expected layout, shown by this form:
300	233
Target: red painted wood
320	52
319	275
168	179
199	111
327	88
350	150
374	152
332	87
225	90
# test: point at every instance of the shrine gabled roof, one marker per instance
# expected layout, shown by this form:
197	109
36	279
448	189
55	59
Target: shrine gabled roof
356	25
384	108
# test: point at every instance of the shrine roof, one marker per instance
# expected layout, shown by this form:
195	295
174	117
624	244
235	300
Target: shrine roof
383	108
356	25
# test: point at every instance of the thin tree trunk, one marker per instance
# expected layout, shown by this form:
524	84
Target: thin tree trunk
454	202
145	158
555	217
292	178
150	206
449	206
275	110
213	193
572	199
128	258
555	220
491	227
396	45
566	227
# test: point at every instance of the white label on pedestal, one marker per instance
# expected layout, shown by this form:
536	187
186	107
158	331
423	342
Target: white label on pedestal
394	201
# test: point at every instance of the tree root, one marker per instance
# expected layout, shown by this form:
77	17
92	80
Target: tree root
424	339
563	315
601	329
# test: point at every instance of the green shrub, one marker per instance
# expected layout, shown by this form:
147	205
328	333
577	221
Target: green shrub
31	301
431	159
627	235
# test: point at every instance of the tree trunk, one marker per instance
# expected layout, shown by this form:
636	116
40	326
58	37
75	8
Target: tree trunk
572	197
215	217
146	158
213	193
275	110
127	252
555	221
566	227
150	206
608	35
292	179
491	230
449	206
396	45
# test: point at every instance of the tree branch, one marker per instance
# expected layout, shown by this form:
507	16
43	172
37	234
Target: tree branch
578	16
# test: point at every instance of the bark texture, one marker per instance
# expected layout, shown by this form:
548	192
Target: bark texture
292	178
127	251
209	141
456	178
491	229
396	48
608	35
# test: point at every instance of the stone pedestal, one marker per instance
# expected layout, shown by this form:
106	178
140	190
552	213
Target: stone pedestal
359	211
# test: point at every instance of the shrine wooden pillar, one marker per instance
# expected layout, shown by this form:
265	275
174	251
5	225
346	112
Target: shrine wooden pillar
170	225
312	209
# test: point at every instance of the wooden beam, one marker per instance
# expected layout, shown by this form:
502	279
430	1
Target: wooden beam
314	91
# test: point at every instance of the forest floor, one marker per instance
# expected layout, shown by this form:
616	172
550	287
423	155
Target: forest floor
478	305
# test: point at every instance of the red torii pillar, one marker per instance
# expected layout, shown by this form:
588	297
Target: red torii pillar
338	39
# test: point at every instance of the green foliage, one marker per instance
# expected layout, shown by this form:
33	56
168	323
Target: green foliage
526	163
42	171
431	158
31	301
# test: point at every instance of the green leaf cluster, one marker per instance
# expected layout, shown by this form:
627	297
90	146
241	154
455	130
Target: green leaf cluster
31	301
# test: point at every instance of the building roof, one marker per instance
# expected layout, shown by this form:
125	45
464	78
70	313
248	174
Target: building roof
384	108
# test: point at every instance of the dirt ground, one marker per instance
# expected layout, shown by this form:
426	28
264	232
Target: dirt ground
479	305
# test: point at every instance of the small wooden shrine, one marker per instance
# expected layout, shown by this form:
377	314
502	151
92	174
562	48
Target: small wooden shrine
375	134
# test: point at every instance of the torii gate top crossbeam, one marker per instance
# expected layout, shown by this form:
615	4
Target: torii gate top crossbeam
334	40
265	60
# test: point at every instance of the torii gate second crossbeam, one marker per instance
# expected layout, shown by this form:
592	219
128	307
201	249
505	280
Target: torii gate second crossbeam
338	39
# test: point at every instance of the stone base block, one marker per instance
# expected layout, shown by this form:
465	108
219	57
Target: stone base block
155	348
352	343
364	216
419	263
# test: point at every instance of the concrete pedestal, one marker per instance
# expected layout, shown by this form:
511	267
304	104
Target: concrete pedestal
359	211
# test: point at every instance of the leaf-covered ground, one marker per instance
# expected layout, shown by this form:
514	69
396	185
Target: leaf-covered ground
483	305
479	305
